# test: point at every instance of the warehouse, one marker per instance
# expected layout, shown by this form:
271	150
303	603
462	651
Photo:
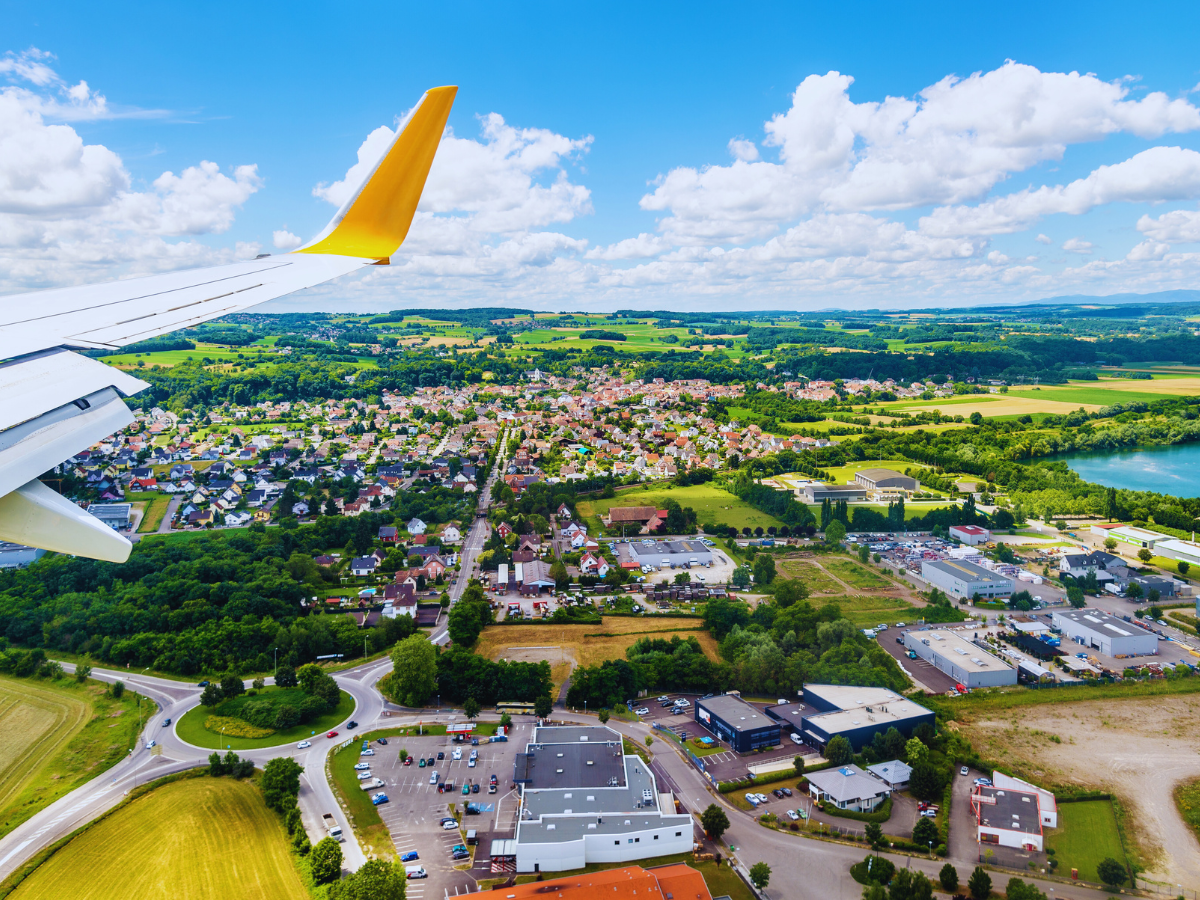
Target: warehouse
1108	634
733	720
584	800
817	492
964	579
857	714
971	535
965	662
670	554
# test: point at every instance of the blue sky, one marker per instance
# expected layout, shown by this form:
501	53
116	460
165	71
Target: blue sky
626	108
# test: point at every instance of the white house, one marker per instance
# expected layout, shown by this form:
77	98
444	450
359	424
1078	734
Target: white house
451	535
416	526
237	518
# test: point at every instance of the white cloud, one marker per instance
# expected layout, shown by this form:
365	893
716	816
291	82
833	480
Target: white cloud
69	211
1077	245
285	240
1043	239
740	148
644	246
1181	226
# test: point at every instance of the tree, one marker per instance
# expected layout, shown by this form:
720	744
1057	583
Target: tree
874	835
915	751
1145	555
798	764
280	783
764	570
505	721
740	577
216	768
838	751
467	619
286	677
118	690
979	884
212	696
864	553
788	591
924	832
543	706
414	670
326	861
948	876
603	716
375	880
835	533
558	572
1075	597
1134	591
232	685
1182	565
1110	544
1020	890
1111	872
760	875
910	884
83	671
471	707
925	782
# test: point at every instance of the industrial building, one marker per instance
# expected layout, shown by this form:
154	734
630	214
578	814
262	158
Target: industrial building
1184	551
676	880
1012	814
857	713
1108	634
733	720
971	535
18	556
583	800
670	554
886	480
965	662
963	579
817	492
117	516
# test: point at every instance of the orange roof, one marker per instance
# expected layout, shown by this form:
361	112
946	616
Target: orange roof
680	881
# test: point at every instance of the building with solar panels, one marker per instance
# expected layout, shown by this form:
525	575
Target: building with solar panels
963	579
1108	634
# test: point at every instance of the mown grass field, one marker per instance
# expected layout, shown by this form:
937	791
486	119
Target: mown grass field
54	736
815	579
194	839
1086	834
712	505
153	506
858	576
190	728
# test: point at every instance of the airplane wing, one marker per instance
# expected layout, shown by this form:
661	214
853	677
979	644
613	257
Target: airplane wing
55	402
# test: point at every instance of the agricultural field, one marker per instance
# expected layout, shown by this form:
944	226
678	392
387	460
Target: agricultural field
858	576
192	728
711	503
169	358
153	506
568	646
815	578
194	839
54	736
1136	742
867	611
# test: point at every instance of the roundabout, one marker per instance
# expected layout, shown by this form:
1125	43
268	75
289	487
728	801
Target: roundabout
191	730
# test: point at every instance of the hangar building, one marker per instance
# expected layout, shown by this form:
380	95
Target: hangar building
1108	634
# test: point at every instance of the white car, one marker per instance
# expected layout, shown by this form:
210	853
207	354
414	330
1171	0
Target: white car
752	799
361	766
363	775
449	826
762	798
151	745
367	752
433	777
663	699
793	815
471	763
303	745
642	711
457	754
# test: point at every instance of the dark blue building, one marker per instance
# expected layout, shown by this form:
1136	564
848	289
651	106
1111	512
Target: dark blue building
733	720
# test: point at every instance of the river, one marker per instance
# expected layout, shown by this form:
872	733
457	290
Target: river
1171	470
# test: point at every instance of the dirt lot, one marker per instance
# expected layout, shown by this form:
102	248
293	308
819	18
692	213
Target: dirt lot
1138	748
567	646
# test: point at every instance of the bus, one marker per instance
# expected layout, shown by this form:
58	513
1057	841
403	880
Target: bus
515	709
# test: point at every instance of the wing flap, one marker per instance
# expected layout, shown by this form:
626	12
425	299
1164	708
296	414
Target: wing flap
37	384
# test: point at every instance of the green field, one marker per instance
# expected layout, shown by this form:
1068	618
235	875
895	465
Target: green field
866	611
154	510
194	839
712	505
816	580
191	728
364	817
54	736
1087	393
845	474
858	576
1086	834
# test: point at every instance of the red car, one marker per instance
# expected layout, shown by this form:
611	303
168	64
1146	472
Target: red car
408	760
331	734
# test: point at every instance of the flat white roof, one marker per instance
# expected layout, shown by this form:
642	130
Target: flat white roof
966	655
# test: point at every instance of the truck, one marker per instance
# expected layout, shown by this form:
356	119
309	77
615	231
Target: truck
332	828
371	783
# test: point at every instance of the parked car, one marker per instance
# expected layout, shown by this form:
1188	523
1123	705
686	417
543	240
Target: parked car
912	654
778	794
449	825
493	779
491	789
303	745
466	789
367	752
457	754
422	765
361	776
379	798
787	792
964	771
433	778
762	798
642	711
361	766
382	741
663	697
408	760
475	789
752	799
410	856
793	815
929	813
441	755
429	761
471	763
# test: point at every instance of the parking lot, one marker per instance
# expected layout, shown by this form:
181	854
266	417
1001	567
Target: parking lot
415	808
927	674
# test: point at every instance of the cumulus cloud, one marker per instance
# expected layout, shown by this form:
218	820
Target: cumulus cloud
285	240
1043	239
70	211
1181	226
1077	245
746	151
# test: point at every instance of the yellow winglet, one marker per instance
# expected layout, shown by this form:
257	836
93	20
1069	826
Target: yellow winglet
374	222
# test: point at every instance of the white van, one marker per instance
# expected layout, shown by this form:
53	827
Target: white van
415	872
795	738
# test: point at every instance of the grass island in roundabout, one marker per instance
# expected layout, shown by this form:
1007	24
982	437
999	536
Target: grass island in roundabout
202	726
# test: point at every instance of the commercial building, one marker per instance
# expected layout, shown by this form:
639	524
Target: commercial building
733	720
886	480
533	577
817	492
971	535
857	714
848	788
1108	634
1129	535
679	880
1007	818
668	554
963	579
583	800
115	515
1184	551
634	519
894	774
18	556
1047	805
965	662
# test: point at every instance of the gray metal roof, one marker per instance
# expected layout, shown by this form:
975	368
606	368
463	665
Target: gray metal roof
847	784
737	713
